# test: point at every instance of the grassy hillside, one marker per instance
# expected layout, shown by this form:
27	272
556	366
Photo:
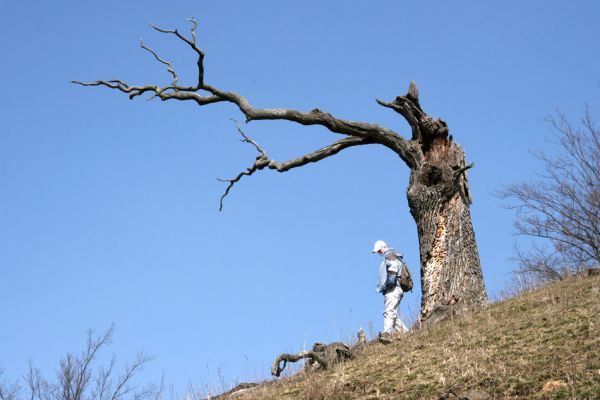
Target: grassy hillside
543	344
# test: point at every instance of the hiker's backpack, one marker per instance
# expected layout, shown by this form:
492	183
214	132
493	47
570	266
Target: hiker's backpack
404	279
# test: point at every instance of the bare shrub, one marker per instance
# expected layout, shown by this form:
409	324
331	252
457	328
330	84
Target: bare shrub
79	379
562	207
8	391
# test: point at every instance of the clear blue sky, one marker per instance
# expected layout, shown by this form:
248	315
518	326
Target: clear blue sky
109	207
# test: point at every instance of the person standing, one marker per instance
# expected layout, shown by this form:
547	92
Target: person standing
388	285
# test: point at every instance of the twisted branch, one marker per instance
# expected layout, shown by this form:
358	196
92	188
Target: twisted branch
192	44
409	107
367	133
277	368
263	161
322	356
169	64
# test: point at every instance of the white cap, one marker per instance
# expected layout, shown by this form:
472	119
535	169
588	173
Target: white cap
380	244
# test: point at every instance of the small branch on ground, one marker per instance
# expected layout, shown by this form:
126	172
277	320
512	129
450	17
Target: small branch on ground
322	356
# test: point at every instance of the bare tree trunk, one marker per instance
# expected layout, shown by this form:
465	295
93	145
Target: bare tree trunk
451	278
439	200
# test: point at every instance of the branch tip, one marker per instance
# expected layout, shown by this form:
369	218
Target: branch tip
413	91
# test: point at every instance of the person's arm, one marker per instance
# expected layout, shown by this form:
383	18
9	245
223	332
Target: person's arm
393	268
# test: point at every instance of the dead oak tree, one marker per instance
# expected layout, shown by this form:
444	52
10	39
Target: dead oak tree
438	192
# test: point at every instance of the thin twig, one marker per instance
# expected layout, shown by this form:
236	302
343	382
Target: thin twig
169	64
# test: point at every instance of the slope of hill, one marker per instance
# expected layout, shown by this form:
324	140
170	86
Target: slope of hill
543	344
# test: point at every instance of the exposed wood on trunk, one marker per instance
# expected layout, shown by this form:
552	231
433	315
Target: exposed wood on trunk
439	199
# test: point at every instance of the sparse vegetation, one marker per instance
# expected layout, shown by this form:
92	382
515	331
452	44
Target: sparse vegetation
561	208
541	344
79	378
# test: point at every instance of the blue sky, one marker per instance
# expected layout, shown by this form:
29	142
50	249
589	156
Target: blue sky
109	207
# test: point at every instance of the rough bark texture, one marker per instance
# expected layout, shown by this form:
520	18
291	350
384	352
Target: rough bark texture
438	192
439	200
451	275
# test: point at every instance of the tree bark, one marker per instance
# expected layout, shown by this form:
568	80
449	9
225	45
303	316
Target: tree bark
451	277
439	200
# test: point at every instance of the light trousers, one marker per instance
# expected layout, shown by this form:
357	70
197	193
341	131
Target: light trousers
391	320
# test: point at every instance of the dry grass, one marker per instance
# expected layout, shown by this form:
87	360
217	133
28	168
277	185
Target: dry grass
509	350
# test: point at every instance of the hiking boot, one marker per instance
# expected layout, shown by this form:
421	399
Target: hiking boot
385	337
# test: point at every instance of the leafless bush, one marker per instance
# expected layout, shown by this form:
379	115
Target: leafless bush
8	391
562	207
79	379
538	266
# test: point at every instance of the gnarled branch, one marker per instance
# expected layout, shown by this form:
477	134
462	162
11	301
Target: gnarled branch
409	107
169	64
425	129
277	368
192	44
322	356
367	133
263	161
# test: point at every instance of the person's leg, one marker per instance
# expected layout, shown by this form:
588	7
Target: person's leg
398	324
391	301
